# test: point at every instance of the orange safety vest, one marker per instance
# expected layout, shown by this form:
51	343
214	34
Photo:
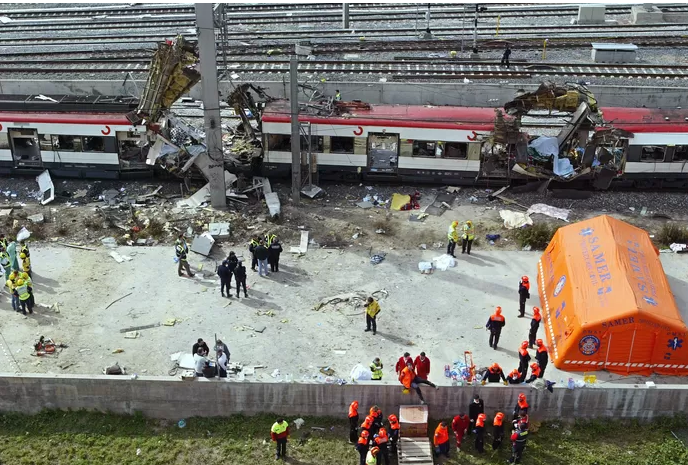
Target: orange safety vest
526	284
394	422
496	370
498	419
382	437
368	422
536	371
522	404
406	377
495	317
441	435
542	348
353	409
374	412
362	440
523	352
480	422
537	317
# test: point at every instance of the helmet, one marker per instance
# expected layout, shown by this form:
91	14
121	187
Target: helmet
524	279
375	450
365	433
536	310
392	418
499	415
494	366
498	310
22	255
469	222
521	396
355	403
482	416
383	429
533	365
539	342
20	282
455	223
524	345
25	275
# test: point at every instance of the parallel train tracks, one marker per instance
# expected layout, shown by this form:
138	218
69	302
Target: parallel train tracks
401	70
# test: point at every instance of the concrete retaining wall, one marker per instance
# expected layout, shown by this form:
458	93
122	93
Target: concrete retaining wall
173	398
471	94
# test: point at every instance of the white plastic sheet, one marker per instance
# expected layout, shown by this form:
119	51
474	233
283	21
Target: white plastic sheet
513	220
361	373
545	145
444	262
554	212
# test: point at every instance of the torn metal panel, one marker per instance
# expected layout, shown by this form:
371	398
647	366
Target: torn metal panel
203	244
273	203
550	96
46	186
577	120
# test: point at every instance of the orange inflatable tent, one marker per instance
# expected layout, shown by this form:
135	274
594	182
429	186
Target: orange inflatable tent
607	304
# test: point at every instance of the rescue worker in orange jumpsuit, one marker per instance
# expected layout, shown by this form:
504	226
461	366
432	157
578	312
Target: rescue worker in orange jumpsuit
394	427
376	413
542	357
523	360
521	406
381	439
534	326
409	380
460	425
353	422
523	295
494	374
535	372
480	433
441	439
495	324
362	446
497	430
519	437
367	424
514	377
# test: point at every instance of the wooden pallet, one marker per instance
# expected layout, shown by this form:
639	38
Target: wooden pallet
416	451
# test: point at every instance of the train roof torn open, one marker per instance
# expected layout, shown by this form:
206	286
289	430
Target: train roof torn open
554	133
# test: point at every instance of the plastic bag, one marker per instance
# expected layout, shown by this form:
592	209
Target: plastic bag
361	373
23	234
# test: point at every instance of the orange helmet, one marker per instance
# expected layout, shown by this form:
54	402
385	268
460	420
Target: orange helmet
524	279
524	345
383	429
354	404
534	365
482	416
536	310
392	418
498	310
375	450
539	342
514	373
365	433
495	365
499	415
521	396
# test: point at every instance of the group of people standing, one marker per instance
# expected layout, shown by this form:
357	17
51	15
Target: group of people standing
467	237
203	366
265	251
373	440
17	279
232	266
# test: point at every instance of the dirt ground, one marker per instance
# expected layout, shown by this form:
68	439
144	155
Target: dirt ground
442	314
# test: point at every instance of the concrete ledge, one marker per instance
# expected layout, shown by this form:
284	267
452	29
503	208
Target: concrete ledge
172	398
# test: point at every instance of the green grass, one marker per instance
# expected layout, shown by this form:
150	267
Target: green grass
92	438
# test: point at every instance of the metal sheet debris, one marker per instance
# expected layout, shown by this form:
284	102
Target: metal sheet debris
273	203
203	244
219	230
303	245
46	186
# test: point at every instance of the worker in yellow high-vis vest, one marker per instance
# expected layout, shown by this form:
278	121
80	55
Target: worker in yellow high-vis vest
467	237
280	433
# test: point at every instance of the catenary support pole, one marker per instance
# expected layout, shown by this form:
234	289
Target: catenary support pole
295	129
345	16
211	103
475	29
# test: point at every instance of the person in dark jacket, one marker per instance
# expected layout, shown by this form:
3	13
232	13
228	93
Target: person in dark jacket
495	324
542	357
523	360
494	374
232	261
534	326
225	277
252	248
523	295
476	408
261	253
202	345
274	252
505	56
498	430
240	275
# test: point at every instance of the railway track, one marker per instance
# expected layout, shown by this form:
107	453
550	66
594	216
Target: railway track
402	70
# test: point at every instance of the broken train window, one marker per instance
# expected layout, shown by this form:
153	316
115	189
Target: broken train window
426	148
45	141
341	144
279	142
316	144
132	146
67	143
455	150
94	144
652	153
681	153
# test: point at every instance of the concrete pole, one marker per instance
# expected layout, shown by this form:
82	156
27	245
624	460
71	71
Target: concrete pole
345	16
211	103
475	30
295	129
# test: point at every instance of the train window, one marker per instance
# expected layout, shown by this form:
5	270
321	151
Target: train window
652	153
342	144
455	150
45	142
4	141
316	144
426	148
279	142
681	153
94	144
67	143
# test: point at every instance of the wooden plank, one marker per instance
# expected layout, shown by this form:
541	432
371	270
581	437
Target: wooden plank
304	242
134	328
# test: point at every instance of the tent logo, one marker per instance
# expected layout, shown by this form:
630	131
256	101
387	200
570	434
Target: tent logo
559	286
589	345
675	343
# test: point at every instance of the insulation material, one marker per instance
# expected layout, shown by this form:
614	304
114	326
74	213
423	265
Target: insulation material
607	304
554	212
45	184
399	200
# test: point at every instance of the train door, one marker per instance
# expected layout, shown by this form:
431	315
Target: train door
26	152
383	152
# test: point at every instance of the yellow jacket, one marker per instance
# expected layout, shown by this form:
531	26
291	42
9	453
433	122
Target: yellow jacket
468	232
452	233
373	308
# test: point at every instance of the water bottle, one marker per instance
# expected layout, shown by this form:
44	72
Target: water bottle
447	372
